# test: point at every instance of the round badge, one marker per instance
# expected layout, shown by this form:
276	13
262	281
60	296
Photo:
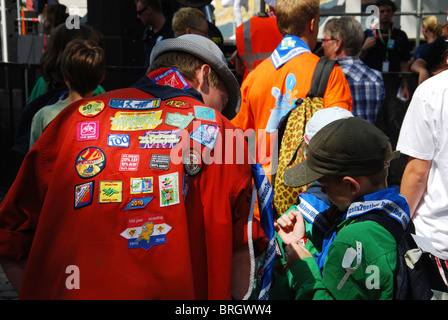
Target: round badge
91	108
89	162
192	161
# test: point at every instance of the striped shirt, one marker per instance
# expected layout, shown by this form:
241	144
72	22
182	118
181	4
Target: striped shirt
366	86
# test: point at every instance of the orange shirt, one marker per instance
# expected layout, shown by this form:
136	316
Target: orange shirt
268	94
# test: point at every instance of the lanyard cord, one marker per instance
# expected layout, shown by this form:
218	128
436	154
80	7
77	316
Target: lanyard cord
388	40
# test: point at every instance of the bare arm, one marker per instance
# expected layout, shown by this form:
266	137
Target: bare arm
413	183
420	66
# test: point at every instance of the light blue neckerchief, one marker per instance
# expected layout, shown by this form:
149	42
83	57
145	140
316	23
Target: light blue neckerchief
290	47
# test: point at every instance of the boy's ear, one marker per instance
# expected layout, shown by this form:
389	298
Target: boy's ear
352	183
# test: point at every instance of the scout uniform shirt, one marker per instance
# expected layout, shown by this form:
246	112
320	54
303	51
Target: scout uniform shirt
125	196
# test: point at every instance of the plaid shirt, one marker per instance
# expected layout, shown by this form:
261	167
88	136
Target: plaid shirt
366	86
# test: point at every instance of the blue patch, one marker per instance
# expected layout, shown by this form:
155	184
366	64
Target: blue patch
135	104
206	134
118	140
138	203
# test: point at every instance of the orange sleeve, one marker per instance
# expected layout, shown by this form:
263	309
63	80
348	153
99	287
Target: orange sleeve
338	91
244	118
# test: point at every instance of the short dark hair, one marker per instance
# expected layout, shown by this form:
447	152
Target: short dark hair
381	3
83	65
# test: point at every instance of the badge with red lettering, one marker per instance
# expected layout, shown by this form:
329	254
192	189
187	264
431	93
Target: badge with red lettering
146	231
89	162
179	104
91	108
83	194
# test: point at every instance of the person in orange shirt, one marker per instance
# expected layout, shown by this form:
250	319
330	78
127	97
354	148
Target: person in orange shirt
272	89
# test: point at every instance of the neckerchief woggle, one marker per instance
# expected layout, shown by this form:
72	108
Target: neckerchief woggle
290	47
264	195
389	201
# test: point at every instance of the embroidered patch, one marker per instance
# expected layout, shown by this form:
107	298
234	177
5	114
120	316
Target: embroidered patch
118	140
141	185
84	194
206	135
172	78
169	189
129	162
133	121
146	231
192	161
91	108
165	139
88	130
143	104
89	162
204	113
179	120
179	104
111	191
160	161
138	203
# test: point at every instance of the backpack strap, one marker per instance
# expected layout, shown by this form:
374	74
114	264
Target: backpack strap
320	77
387	223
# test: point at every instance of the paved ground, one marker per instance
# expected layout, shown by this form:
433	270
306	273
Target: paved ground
6	290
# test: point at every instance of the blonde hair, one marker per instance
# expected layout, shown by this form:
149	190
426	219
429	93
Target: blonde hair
293	15
432	24
187	18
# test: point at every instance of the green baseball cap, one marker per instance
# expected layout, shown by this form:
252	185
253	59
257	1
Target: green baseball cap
346	147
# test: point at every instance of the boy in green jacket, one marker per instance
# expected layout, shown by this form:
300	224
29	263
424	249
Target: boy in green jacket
349	158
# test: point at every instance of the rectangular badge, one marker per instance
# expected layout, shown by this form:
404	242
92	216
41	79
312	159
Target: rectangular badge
141	185
160	161
135	104
169	189
134	121
111	191
204	113
83	194
129	162
118	140
165	139
88	130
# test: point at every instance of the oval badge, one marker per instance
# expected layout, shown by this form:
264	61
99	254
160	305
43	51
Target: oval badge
89	162
91	108
192	161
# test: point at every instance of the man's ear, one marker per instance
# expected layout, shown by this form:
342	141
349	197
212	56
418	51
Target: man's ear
202	77
353	184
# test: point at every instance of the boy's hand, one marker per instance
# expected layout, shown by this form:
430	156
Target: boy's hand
294	252
290	227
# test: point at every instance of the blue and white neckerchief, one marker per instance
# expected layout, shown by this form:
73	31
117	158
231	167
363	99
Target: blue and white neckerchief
388	201
265	194
290	47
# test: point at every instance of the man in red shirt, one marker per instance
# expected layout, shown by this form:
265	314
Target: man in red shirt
124	195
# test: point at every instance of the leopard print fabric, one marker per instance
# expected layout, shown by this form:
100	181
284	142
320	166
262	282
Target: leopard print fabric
284	196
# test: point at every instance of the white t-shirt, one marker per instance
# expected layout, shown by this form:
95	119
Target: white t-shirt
424	135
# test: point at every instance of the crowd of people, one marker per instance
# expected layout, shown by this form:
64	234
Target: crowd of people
164	190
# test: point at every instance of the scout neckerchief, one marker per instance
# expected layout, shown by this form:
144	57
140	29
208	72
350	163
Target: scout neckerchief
169	77
388	201
290	47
